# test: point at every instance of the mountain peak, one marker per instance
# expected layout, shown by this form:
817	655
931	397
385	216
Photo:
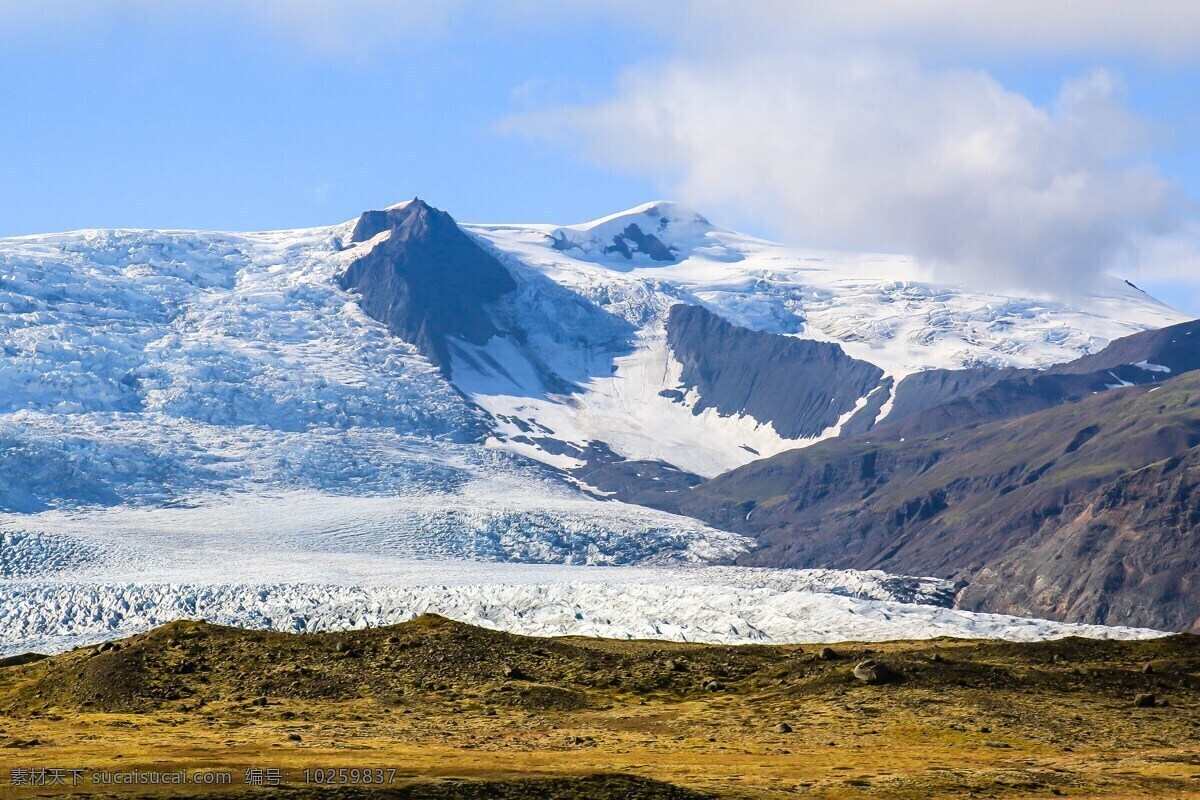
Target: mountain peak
416	202
672	212
661	231
401	215
427	280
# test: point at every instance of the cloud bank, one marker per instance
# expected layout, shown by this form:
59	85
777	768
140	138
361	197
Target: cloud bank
872	151
1167	29
1163	29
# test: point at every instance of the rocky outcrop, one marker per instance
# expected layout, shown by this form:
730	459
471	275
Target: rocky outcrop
632	239
1129	550
800	386
428	281
873	673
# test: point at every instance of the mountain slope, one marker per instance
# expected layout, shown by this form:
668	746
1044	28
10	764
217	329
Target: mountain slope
588	373
1128	550
988	499
143	370
802	388
939	399
426	279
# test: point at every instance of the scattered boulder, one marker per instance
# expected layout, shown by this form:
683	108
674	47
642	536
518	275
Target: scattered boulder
513	673
873	673
783	727
1148	669
827	654
18	743
713	685
1144	701
294	737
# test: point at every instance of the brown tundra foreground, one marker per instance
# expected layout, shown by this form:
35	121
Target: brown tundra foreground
437	709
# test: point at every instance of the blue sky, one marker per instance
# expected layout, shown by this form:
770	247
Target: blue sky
141	120
123	114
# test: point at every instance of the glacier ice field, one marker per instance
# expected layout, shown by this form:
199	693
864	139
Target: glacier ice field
198	424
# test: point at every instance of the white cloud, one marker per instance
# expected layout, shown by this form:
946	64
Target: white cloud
1161	28
870	150
1171	261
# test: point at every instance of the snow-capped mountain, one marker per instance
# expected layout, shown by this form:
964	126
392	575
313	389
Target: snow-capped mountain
313	406
654	335
374	356
158	369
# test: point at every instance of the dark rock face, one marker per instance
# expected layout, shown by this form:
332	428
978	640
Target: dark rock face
1084	512
634	240
1176	347
937	387
372	223
636	481
864	419
801	387
1129	550
429	281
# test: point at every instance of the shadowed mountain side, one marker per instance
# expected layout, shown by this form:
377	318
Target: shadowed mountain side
426	281
800	386
1129	550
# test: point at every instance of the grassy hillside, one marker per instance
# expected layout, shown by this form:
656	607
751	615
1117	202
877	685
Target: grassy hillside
443	703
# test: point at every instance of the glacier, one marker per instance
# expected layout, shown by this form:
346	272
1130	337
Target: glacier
141	366
193	420
713	605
